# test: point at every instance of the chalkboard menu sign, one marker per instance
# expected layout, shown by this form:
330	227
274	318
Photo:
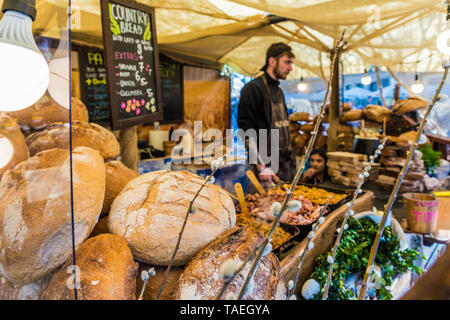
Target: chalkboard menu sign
132	63
94	91
172	89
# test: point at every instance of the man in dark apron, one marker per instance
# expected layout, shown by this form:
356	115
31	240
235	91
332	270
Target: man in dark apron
262	106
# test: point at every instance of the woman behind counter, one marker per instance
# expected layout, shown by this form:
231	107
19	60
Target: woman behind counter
317	173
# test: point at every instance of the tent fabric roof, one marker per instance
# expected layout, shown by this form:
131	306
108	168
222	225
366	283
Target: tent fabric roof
399	34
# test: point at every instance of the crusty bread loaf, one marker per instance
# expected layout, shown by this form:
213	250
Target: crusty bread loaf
153	285
377	113
117	176
346	107
302	140
35	211
78	110
300	116
47	111
308	127
83	134
200	280
107	271
352	115
408	105
30	291
150	210
11	135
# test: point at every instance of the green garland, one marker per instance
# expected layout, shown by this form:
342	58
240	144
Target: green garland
351	258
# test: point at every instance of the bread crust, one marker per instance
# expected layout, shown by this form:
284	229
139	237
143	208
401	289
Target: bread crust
11	131
35	211
83	134
117	176
107	271
200	280
150	210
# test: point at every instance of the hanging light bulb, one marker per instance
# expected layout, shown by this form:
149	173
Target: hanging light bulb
59	86
24	73
442	39
302	86
366	79
417	86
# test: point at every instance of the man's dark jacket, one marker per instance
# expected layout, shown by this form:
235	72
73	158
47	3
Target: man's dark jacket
255	110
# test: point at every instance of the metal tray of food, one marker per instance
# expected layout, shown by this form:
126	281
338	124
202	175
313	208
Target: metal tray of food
332	207
264	227
281	250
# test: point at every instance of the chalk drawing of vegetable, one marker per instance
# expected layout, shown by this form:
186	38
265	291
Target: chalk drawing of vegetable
115	29
147	33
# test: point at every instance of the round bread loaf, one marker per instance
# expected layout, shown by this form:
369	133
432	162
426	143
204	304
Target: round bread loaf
153	285
35	211
11	138
150	210
47	111
200	280
107	271
30	291
83	134
117	176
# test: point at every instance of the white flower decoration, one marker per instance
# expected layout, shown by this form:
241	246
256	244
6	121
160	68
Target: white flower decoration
310	288
267	249
227	270
151	272
330	260
294	205
215	165
144	276
275	209
290	285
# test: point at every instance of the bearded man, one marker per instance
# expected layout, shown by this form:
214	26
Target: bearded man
262	106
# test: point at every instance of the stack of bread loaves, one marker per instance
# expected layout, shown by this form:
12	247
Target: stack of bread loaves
150	210
46	111
35	212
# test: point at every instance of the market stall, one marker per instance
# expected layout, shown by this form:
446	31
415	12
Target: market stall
126	181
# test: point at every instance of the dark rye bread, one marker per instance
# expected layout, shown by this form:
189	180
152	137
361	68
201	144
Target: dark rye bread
149	213
83	134
200	280
107	272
